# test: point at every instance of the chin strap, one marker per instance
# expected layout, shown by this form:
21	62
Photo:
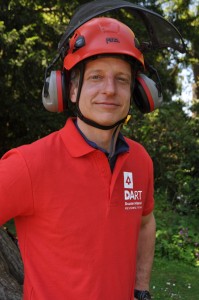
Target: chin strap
114	141
96	125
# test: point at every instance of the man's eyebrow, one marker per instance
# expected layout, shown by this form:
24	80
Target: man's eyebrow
94	70
101	70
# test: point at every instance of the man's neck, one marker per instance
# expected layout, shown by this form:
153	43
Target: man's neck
103	138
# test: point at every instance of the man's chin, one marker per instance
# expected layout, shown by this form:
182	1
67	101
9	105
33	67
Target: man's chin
107	121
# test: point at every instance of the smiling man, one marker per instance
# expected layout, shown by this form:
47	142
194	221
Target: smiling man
82	197
105	97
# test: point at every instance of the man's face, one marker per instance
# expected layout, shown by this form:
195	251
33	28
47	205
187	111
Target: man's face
106	90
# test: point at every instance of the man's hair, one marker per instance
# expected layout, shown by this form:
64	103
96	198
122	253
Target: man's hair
74	75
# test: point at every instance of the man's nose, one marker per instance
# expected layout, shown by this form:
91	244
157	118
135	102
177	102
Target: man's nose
109	86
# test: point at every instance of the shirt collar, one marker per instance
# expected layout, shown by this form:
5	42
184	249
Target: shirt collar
121	144
78	145
73	140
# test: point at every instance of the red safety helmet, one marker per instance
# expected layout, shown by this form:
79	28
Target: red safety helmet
101	35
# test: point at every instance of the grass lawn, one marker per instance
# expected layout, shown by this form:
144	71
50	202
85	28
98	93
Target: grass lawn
174	280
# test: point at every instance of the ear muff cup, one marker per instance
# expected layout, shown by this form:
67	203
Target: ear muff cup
54	101
146	95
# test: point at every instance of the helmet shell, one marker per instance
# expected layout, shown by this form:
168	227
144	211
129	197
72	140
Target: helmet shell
101	35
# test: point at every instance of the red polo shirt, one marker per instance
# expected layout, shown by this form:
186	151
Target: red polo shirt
77	222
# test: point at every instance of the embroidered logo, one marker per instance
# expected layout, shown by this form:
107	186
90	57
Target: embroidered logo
132	198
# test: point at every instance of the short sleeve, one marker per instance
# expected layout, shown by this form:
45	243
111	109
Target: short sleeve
15	187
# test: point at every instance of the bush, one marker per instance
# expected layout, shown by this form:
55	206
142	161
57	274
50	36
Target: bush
177	235
171	138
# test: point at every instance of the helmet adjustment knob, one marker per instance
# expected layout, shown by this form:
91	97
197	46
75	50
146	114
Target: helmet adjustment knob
79	43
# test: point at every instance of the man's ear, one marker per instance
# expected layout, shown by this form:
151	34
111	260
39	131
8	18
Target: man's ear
73	91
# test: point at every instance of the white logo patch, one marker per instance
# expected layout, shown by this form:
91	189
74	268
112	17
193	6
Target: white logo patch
132	198
128	180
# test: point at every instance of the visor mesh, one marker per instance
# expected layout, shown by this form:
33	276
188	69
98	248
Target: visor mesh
161	33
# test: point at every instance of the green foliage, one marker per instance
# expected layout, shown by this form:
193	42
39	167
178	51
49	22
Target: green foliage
184	15
171	138
27	40
177	236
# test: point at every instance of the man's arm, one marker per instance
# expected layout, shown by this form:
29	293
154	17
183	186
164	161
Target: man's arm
145	252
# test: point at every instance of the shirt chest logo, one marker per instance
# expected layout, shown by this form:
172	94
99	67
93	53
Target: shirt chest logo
132	197
128	180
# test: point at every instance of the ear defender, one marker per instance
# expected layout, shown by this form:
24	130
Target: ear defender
147	94
53	94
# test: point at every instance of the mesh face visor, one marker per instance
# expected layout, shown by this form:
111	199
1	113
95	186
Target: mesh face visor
161	33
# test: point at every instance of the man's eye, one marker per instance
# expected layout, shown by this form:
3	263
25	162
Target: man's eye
123	79
96	77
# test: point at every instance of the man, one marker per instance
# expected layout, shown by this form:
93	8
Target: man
82	197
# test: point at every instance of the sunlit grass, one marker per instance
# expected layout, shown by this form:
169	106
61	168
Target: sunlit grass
174	280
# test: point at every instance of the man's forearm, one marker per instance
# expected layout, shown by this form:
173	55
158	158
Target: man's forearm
145	252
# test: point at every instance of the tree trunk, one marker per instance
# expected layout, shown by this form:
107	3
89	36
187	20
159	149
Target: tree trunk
11	268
